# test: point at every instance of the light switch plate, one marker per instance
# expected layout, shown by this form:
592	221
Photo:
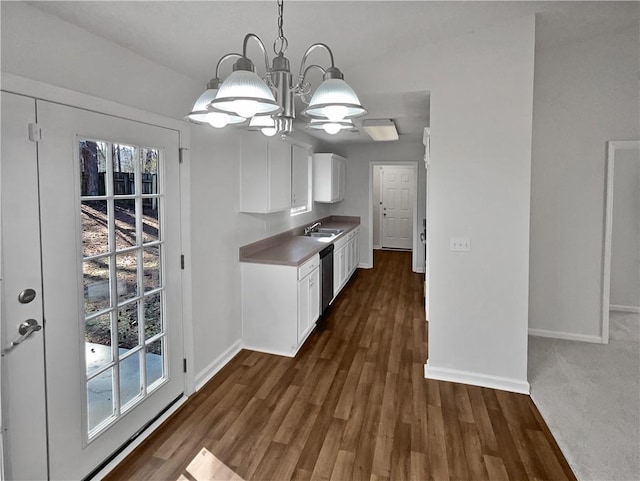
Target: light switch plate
460	244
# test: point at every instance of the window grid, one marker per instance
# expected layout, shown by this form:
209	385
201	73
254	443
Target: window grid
113	367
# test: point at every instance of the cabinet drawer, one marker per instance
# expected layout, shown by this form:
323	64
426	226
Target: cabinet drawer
305	269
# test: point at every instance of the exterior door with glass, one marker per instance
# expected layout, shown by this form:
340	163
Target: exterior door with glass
109	205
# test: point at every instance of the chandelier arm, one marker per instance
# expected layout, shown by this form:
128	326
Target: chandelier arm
306	54
222	59
262	47
301	79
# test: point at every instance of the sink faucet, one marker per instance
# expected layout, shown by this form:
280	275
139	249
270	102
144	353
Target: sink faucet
311	227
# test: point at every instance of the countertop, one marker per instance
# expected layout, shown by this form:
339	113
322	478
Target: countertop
291	248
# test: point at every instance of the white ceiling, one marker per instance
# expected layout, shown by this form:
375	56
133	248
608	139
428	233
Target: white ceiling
190	36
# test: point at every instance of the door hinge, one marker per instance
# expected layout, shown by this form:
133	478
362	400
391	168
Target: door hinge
182	262
35	132
181	151
184	365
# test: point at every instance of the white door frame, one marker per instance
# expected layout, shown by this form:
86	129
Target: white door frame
43	91
612	147
414	249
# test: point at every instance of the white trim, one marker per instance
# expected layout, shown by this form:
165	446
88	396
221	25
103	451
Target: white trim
204	376
186	273
612	146
567	336
139	440
415	241
365	265
476	379
273	352
619	308
42	91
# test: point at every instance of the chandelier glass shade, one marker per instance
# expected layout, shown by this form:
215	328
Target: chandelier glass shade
269	103
201	114
334	100
245	94
331	127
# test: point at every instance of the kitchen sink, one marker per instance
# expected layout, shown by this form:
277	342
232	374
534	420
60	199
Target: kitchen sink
326	230
320	234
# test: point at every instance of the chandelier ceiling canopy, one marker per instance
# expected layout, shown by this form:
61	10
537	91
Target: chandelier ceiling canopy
268	104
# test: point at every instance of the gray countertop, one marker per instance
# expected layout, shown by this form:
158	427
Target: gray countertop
293	249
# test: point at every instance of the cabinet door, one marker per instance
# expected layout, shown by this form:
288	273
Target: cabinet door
338	260
335	178
343	266
342	183
303	306
279	175
300	176
314	297
356	250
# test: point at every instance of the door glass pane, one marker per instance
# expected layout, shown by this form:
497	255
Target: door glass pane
151	268
155	363
96	285
149	159
150	220
124	172
100	398
126	266
125	223
98	351
152	316
93	167
128	336
95	227
130	385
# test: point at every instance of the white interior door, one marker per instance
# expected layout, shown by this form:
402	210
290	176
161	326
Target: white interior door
23	382
109	237
397	207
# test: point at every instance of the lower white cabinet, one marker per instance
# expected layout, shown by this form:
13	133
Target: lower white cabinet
280	305
346	256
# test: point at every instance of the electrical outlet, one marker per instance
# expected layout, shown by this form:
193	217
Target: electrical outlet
460	244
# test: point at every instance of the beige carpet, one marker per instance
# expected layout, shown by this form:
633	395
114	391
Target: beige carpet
589	395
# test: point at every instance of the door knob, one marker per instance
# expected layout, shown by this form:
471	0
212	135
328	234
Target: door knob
25	329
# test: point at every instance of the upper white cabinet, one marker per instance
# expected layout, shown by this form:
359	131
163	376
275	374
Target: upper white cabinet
299	176
265	174
328	178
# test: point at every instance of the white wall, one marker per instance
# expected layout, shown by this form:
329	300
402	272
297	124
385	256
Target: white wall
40	46
625	238
356	200
481	89
586	93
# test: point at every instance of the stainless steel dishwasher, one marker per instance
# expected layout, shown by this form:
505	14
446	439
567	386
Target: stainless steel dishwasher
326	274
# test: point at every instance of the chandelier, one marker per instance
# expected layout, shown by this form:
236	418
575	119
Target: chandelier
267	104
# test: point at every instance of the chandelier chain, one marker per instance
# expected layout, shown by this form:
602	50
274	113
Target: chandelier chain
281	43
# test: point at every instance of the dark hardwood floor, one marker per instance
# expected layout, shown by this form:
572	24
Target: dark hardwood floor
353	405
